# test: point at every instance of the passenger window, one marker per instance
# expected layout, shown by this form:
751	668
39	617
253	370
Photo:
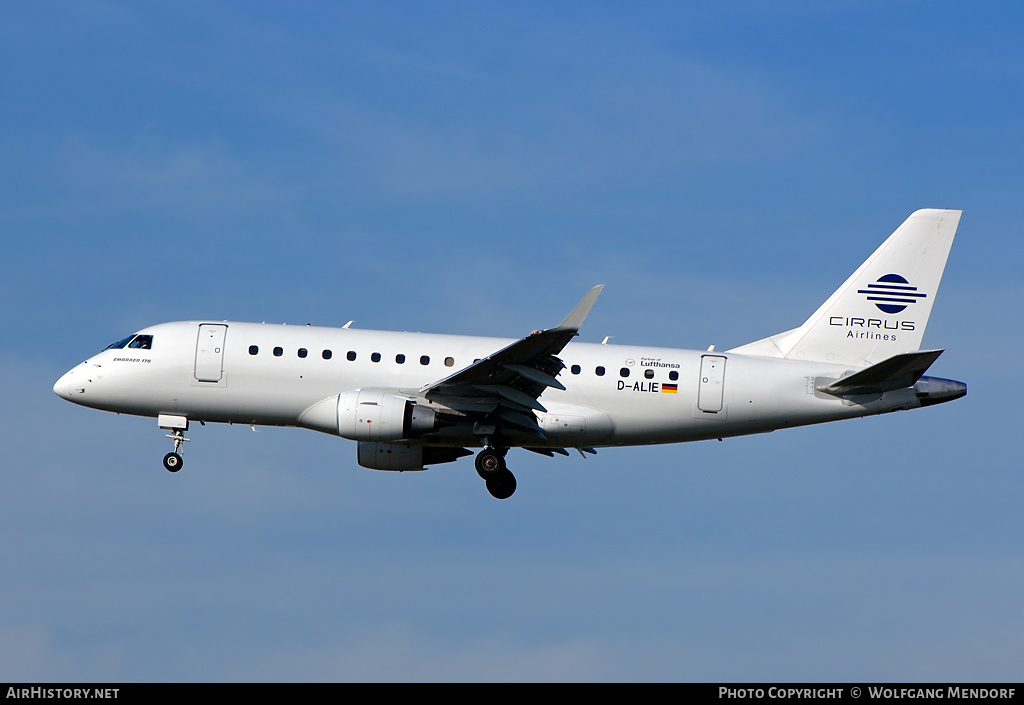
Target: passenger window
303	352
649	373
142	342
599	371
327	354
375	357
449	361
575	369
254	349
673	375
278	352
400	359
624	372
424	359
351	355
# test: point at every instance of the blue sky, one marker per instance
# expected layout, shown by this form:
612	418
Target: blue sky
476	168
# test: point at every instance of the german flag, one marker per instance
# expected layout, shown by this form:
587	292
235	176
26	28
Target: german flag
669	388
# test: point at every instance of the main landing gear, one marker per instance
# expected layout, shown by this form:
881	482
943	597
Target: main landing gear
177	425
490	465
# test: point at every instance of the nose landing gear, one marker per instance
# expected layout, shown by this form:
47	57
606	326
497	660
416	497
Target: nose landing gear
177	425
490	465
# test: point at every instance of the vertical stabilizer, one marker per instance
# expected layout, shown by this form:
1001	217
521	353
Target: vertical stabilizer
882	309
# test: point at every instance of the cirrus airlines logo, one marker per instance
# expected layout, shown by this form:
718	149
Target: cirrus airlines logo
892	293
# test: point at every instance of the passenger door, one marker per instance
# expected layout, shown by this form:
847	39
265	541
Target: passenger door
210	352
712	383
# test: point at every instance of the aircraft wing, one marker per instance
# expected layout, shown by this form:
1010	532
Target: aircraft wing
505	385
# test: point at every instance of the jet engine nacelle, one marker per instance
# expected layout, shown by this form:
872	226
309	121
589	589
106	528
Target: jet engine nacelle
390	456
370	415
403	456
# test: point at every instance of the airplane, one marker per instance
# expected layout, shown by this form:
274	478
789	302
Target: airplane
412	400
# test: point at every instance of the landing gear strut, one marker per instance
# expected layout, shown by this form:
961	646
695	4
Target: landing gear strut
490	465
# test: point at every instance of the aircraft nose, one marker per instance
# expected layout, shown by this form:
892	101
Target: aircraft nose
62	388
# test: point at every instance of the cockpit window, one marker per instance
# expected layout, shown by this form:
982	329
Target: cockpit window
139	342
119	344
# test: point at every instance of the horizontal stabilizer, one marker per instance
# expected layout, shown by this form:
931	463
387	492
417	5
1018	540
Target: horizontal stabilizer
896	372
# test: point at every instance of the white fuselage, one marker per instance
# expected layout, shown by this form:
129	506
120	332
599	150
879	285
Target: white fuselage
261	379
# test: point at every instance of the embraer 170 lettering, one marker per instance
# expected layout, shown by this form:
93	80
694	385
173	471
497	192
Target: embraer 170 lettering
411	400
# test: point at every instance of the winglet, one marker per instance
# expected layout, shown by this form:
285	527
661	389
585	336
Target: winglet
575	319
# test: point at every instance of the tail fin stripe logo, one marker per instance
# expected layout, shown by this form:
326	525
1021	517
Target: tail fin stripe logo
895	291
891	286
901	290
883	298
